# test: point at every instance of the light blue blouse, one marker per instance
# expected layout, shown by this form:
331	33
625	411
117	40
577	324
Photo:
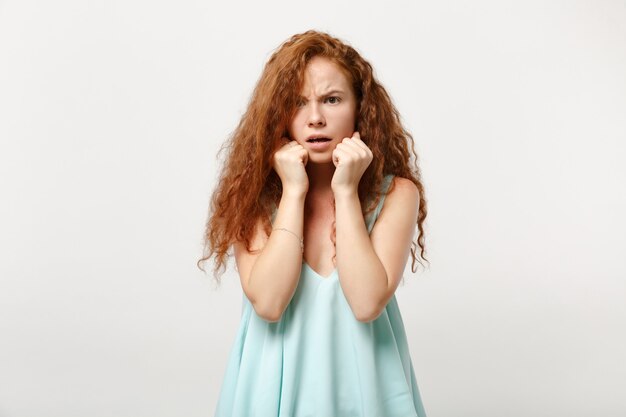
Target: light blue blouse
318	360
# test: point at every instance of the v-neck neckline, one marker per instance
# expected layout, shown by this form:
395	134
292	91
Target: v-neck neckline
317	274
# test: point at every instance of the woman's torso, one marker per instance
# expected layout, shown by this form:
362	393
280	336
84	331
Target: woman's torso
318	360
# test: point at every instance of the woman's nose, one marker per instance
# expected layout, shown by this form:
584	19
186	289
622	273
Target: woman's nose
316	118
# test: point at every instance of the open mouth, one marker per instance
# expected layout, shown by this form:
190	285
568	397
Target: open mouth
314	140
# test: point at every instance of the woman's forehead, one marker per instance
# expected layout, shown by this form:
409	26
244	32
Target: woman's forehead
322	76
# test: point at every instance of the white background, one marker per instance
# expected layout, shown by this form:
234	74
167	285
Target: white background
111	115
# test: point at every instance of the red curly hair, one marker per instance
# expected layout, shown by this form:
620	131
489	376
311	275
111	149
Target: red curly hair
249	188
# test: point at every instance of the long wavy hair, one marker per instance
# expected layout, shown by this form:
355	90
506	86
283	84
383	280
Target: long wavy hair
248	187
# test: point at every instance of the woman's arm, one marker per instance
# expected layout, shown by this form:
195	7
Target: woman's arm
270	278
370	267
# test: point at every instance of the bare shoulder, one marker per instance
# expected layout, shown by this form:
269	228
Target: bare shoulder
400	208
403	192
405	185
258	240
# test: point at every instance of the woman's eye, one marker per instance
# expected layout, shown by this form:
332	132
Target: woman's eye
333	100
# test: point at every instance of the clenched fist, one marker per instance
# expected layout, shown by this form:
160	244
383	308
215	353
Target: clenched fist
289	162
351	158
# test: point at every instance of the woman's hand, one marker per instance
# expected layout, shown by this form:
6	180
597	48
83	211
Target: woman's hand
351	158
289	162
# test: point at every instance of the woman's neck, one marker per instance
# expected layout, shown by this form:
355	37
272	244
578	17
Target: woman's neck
320	176
319	198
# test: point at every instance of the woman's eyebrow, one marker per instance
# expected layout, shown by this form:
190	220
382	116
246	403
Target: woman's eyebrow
329	93
333	92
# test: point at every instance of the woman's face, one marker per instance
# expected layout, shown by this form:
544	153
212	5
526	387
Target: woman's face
327	109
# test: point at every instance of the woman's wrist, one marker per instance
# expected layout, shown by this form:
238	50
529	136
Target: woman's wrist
294	194
345	193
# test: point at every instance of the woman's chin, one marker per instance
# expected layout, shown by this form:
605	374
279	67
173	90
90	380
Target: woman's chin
320	159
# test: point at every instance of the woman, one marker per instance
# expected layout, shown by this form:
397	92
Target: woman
319	200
